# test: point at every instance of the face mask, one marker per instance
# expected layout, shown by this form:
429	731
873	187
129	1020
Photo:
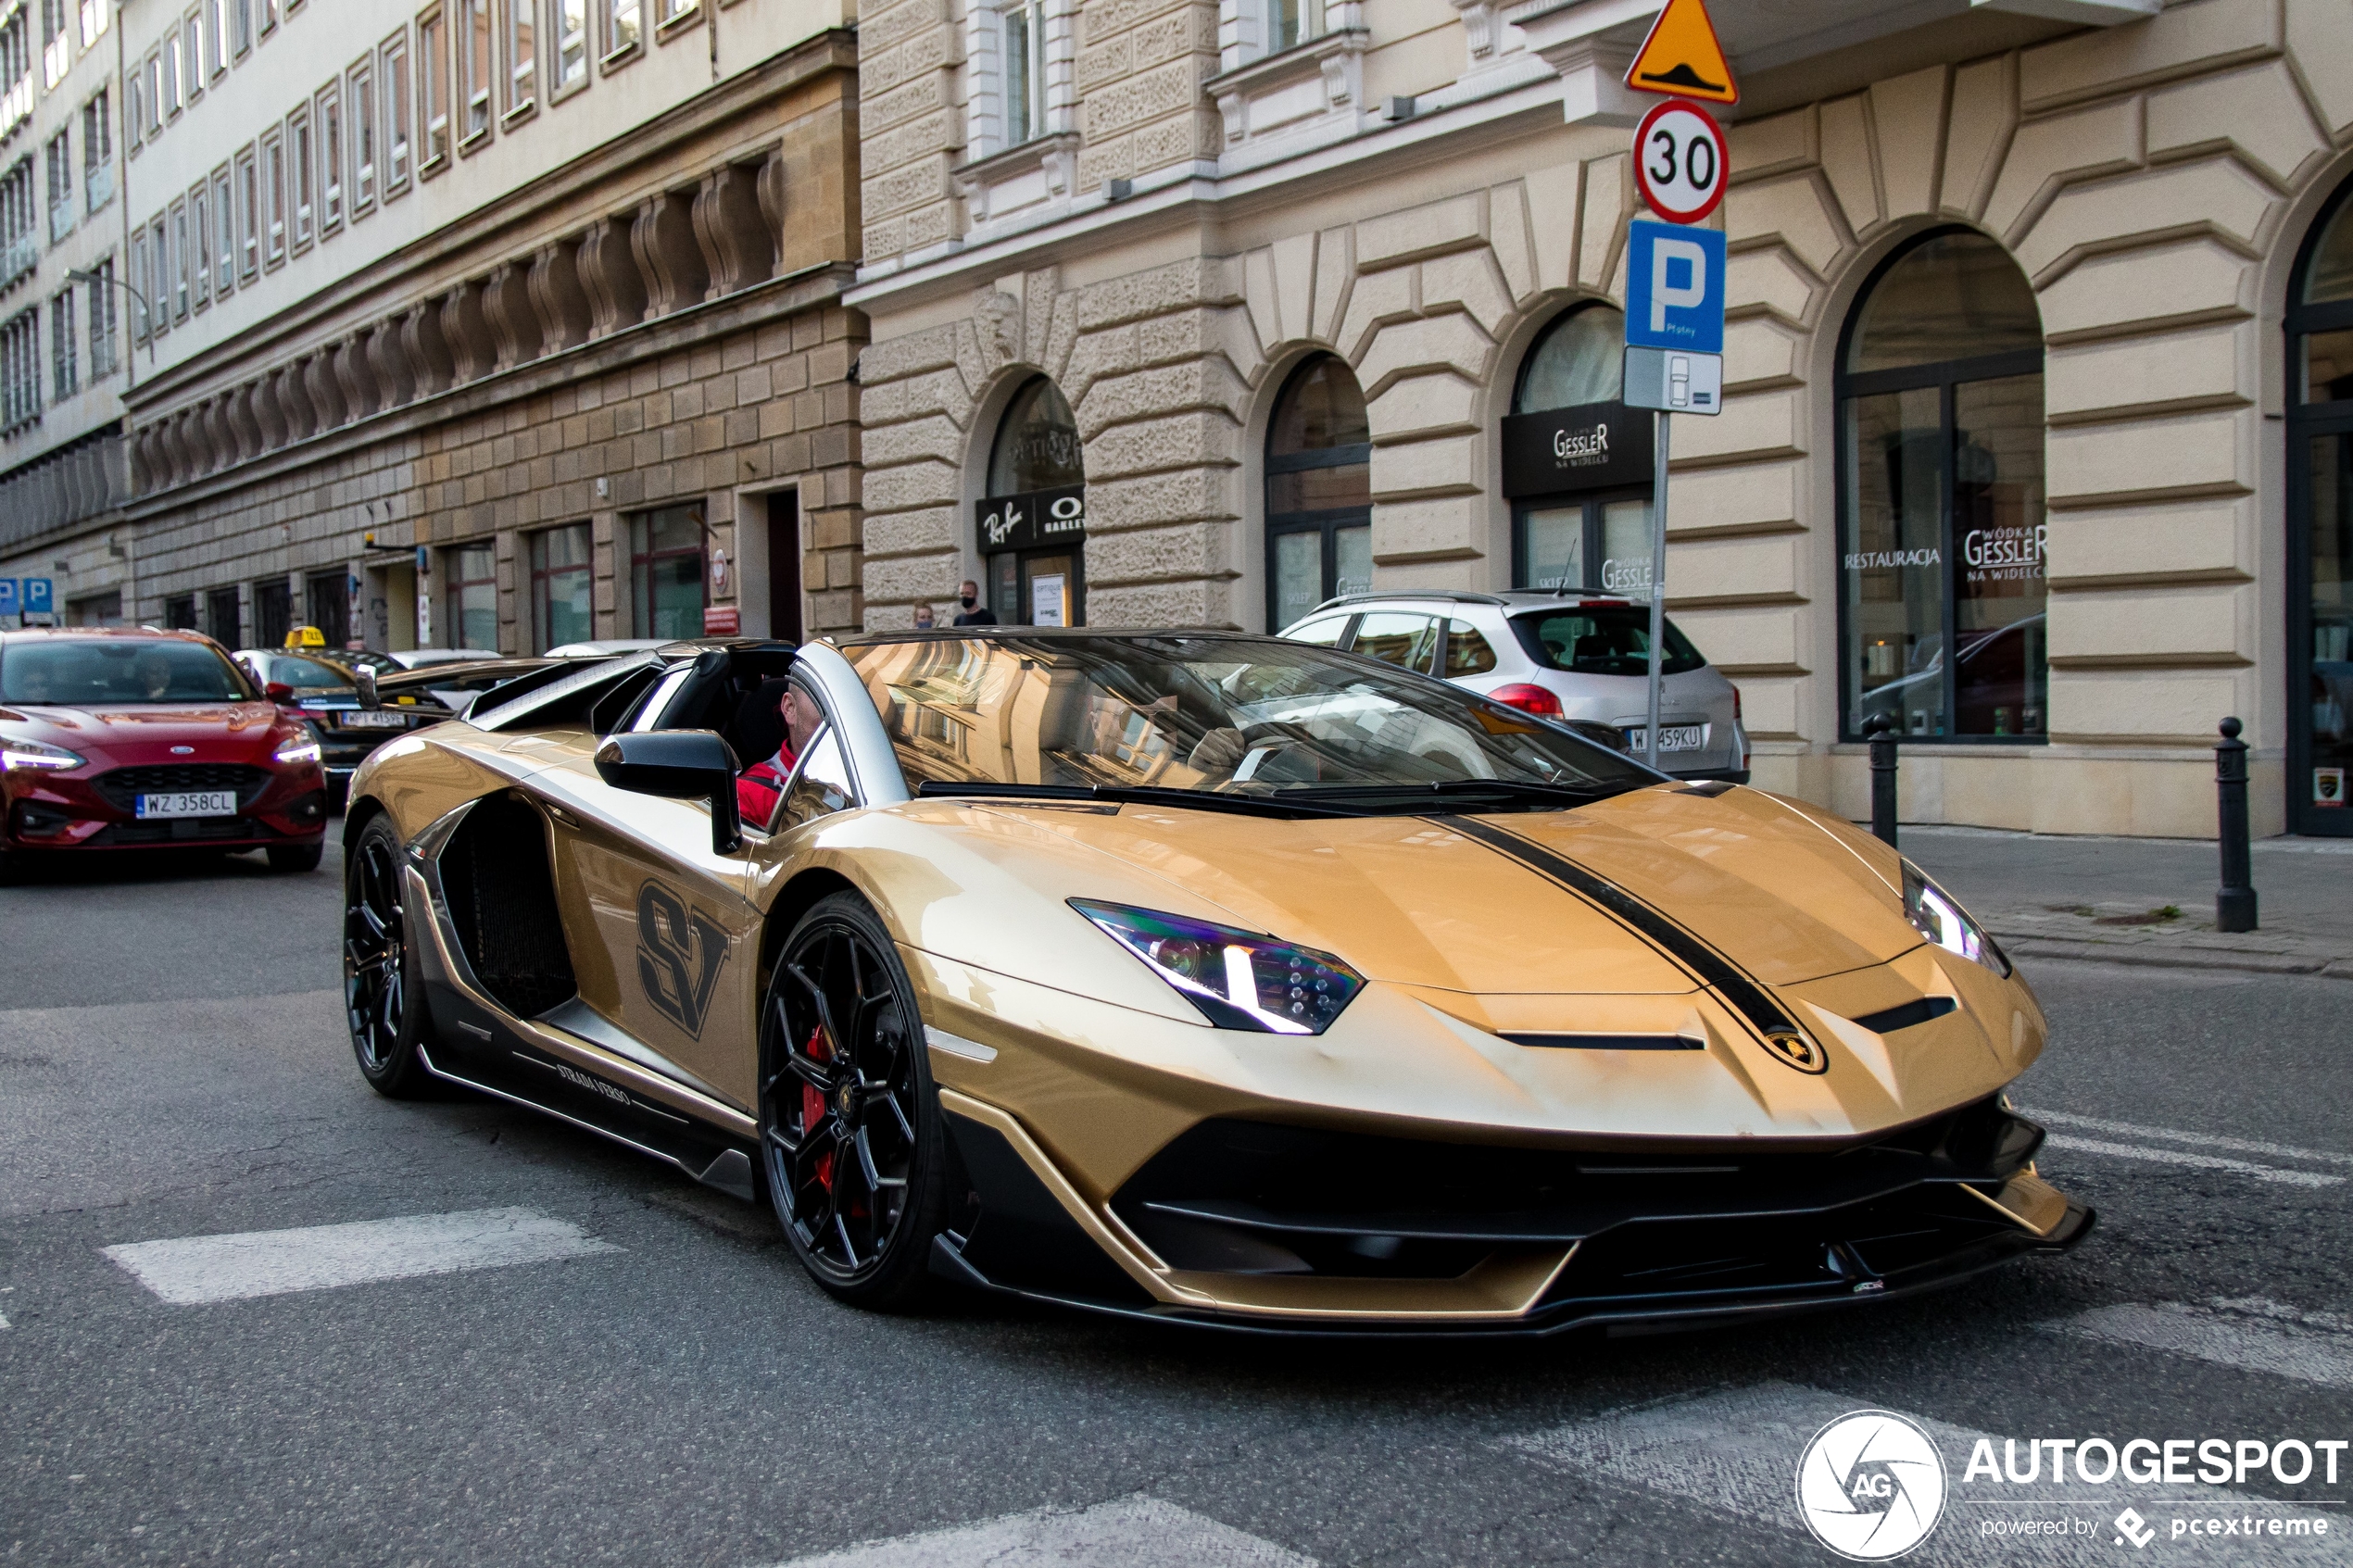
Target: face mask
966	601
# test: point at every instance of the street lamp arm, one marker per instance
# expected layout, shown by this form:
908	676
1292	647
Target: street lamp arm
75	275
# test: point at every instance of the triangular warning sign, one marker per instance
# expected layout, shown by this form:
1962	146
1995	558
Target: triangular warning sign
1681	57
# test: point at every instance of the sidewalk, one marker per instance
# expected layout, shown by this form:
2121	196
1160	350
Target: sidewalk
2107	898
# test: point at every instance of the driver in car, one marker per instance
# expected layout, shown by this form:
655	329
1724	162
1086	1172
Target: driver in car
760	786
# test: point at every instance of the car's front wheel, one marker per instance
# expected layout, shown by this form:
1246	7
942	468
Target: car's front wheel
850	1123
382	1002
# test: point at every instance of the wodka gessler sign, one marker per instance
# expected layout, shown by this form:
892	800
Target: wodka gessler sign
1592	446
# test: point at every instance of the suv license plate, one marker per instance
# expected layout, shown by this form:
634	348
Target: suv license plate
1671	737
189	803
372	719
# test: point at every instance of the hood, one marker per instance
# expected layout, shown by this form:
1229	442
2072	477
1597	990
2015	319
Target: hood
1416	902
219	731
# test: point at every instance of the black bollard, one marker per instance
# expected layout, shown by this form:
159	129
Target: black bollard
2234	901
1879	729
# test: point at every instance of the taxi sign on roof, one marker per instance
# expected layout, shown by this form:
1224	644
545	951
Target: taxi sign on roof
1681	57
305	637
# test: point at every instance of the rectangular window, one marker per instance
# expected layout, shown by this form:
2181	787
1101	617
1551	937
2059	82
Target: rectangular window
359	92
156	103
571	43
182	262
561	583
269	16
1291	22
666	572
397	108
60	159
159	276
224	246
96	17
248	215
139	272
215	38
330	116
168	94
98	297
180	612
62	341
473	67
677	10
222	618
200	241
522	55
272	612
135	108
473	596
20	370
622	26
240	27
1025	38
432	89
274	197
192	55
301	166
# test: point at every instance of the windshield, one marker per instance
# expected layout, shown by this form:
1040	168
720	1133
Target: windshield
1602	640
1252	716
114	671
308	674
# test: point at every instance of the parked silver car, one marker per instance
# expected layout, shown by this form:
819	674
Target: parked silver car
1565	656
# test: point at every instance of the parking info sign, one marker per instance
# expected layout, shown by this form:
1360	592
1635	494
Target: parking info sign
1674	288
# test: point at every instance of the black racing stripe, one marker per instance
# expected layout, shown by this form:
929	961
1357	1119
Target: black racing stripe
1713	967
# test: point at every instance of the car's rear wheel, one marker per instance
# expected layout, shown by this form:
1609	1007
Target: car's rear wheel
382	1001
296	856
849	1124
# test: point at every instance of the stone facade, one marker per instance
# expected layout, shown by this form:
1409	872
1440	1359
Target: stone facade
2153	180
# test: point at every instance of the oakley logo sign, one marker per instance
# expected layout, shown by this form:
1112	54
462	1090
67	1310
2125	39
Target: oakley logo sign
679	955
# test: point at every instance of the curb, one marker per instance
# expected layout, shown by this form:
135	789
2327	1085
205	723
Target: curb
2107	952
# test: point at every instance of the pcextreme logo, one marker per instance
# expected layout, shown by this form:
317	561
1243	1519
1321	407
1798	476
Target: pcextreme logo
1870	1485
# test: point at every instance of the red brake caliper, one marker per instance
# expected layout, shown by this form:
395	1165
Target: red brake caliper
813	1104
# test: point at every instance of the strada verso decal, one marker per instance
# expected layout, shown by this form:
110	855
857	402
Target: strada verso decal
679	955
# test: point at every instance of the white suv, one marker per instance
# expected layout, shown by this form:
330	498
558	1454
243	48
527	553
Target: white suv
1575	658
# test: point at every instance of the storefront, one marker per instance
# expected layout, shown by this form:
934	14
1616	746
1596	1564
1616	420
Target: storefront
2319	517
1577	463
1031	527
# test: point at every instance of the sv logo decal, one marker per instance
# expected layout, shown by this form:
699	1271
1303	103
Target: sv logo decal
679	955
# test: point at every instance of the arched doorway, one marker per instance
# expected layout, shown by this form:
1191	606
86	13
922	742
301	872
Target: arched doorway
1577	462
1941	519
1032	526
1319	492
2320	525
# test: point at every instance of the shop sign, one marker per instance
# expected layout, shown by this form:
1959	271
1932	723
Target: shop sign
721	621
1592	446
1021	523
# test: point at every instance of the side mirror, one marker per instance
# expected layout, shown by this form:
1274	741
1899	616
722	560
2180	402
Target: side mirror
678	765
365	679
278	691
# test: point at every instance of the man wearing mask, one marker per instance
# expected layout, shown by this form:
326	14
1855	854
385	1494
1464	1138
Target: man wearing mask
975	613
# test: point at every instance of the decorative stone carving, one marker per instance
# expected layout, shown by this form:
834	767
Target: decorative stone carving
1306	95
325	392
557	297
395	379
245	418
773	194
293	403
1036	173
514	325
610	276
737	249
472	352
353	377
431	366
663	241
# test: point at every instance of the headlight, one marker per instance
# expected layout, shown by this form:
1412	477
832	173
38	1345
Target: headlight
303	747
33	756
1935	915
1237	979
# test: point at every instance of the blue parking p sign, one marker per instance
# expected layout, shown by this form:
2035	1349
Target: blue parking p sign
1674	288
8	605
36	596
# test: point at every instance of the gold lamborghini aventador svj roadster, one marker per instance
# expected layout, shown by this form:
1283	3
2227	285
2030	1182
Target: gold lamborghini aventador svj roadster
1202	977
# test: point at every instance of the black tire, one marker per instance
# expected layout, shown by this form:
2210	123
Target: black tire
852	1146
383	1004
296	856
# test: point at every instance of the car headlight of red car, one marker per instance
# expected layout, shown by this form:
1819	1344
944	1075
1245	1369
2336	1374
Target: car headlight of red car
300	746
1237	979
34	757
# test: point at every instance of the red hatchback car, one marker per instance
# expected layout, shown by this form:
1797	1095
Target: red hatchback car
118	740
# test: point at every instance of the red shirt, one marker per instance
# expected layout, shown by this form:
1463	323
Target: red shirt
763	785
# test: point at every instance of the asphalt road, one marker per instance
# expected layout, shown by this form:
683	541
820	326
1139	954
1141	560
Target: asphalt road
172	1064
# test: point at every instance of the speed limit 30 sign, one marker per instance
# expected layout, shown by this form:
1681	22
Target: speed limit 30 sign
1678	161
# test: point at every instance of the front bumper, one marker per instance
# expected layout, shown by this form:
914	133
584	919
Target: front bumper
1265	1228
58	814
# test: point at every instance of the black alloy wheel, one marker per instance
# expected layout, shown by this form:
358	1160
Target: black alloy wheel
382	1001
849	1124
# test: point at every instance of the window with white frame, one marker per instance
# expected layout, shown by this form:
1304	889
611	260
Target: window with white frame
570	22
298	154
200	241
248	213
1292	22
273	196
224	231
182	257
329	113
99	295
392	63
523	56
191	55
66	374
159	275
139	312
1022	64
216	38
20	370
359	92
474	68
624	20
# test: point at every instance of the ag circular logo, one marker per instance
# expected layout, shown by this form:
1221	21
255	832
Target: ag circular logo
1870	1485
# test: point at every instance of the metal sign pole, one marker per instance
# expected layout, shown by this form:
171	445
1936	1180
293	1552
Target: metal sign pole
1658	581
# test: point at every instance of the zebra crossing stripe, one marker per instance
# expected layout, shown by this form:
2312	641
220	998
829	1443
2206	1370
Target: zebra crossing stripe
188	1271
1133	1531
2253	1336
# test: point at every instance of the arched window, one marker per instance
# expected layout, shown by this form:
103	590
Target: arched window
2319	523
1940	518
1032	525
1577	461
1319	492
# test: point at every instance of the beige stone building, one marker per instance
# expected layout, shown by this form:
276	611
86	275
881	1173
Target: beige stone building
494	324
1195	311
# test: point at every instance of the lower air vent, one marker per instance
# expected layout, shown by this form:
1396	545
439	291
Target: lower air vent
1608	1042
1909	1014
502	900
